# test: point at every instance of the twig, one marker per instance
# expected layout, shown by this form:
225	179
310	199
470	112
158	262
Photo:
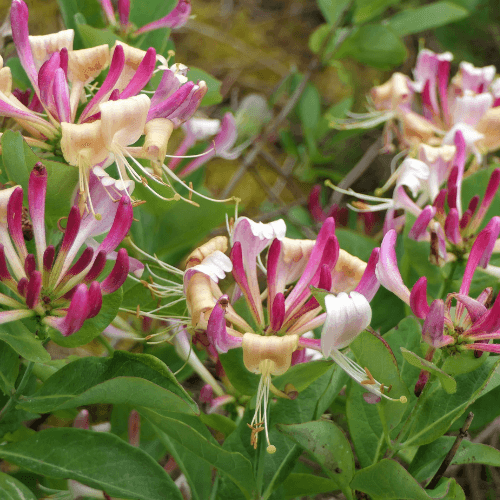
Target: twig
285	175
366	160
449	457
273	126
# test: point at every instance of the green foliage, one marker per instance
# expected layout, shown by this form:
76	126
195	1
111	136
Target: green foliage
9	367
328	446
21	340
449	384
213	94
375	45
388	480
19	160
52	452
12	489
139	380
426	17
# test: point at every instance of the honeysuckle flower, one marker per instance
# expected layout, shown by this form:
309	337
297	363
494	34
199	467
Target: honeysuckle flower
198	129
457	323
431	109
52	286
271	340
440	218
175	19
61	76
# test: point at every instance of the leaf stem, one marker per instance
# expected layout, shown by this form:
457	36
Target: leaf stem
449	457
14	398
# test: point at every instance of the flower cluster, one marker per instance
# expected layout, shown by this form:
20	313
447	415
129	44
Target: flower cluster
459	322
117	114
430	108
58	287
269	343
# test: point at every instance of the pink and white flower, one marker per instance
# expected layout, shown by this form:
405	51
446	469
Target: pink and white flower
57	287
459	322
271	340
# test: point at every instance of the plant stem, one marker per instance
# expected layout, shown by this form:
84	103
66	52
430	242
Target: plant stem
19	391
410	418
449	457
447	282
104	341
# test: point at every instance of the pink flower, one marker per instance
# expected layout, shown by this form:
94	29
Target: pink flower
468	325
431	108
177	18
52	286
269	343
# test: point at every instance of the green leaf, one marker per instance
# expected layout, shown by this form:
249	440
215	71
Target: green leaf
302	375
142	13
92	37
235	465
388	480
438	410
198	473
332	10
365	427
374	352
92	327
19	160
429	457
12	489
463	362
220	423
375	45
213	95
299	485
19	77
328	446
139	380
426	17
23	342
449	384
368	9
9	367
309	107
92	458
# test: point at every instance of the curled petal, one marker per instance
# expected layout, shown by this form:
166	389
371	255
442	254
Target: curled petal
118	274
433	329
221	145
94	300
419	229
121	225
33	289
19	22
369	284
418	298
215	265
216	329
475	256
76	315
37	189
115	69
387	268
451	227
493	229
346	317
14	219
175	19
142	75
